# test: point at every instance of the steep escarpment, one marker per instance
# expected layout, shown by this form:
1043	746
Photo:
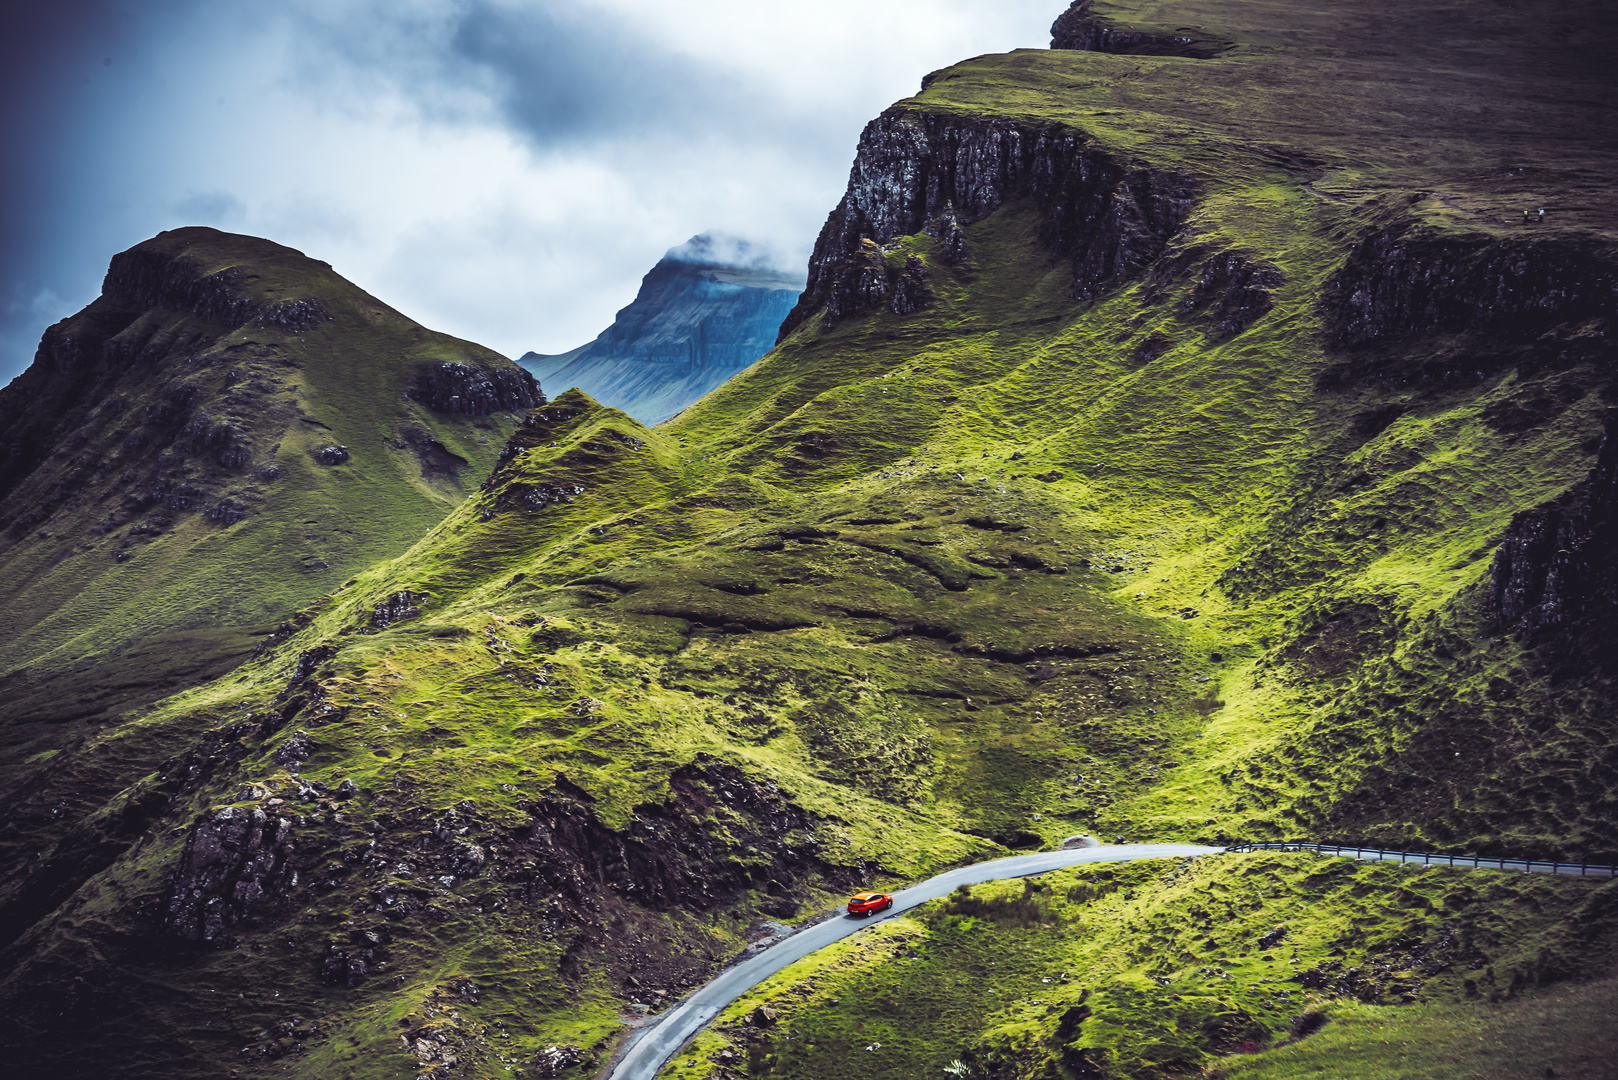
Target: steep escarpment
1555	574
1402	281
916	171
1082	27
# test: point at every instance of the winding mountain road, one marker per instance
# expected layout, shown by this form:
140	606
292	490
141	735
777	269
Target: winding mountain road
652	1047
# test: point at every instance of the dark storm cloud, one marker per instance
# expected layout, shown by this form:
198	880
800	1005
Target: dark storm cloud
563	78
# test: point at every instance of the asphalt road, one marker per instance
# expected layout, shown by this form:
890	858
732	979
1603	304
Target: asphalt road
1463	862
654	1045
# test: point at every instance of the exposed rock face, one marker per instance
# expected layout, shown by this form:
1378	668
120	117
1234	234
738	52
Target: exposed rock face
402	605
1080	28
295	751
870	282
670	856
1405	280
947	227
475	390
145	278
696	321
1108	218
1558	563
1231	293
555	1060
236	863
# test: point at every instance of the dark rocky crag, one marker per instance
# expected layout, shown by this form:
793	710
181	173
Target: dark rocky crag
1404	280
1080	27
932	172
1555	574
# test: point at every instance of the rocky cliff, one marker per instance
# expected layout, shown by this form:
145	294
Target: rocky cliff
918	171
695	322
1555	574
1082	27
1165	448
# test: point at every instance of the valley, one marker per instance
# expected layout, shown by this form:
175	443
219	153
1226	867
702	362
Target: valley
1186	442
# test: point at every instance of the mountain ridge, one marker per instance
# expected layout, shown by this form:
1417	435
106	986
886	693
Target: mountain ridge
1130	469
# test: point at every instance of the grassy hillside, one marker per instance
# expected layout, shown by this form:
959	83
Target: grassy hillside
1138	463
172	490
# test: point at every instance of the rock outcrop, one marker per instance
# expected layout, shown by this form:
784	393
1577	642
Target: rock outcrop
671	855
1081	28
1405	280
1105	216
160	277
1557	566
1225	290
474	389
236	864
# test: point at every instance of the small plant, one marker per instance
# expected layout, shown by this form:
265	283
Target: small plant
1083	892
958	1068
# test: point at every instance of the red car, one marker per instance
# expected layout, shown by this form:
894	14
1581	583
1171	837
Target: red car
867	902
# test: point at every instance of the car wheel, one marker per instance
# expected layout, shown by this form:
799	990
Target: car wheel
888	905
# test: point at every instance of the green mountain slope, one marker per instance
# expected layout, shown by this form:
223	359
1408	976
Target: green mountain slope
1190	443
229	431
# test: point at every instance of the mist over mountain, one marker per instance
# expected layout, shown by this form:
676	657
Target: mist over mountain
707	310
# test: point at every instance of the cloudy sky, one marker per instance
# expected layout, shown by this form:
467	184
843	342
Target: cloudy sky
503	170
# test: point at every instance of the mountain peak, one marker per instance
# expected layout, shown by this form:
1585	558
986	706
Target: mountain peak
218	382
708	309
731	252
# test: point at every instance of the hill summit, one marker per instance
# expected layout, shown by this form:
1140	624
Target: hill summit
228	431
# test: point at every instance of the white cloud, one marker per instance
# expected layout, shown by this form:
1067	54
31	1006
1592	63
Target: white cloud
500	170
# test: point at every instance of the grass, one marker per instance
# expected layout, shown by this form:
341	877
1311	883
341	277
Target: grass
1565	1031
909	592
1170	967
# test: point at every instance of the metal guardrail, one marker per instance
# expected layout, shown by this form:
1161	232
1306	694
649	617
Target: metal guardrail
1428	858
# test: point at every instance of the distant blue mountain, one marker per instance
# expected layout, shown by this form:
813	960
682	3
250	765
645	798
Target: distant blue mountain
707	310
